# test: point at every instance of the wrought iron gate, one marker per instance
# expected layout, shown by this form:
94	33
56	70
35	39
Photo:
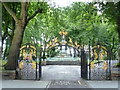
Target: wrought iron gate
99	66
95	68
84	65
28	65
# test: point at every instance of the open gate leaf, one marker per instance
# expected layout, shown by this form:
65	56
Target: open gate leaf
20	65
92	65
105	65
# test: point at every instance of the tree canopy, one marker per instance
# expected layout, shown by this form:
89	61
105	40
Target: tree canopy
42	22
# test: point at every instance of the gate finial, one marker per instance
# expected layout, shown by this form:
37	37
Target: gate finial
63	32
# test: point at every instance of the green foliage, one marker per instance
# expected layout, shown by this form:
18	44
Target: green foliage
80	20
111	10
118	64
2	63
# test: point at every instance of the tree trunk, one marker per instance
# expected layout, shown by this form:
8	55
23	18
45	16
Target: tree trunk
118	28
6	49
119	33
118	24
14	49
1	46
21	23
119	41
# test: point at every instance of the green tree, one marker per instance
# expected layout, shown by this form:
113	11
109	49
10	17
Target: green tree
112	11
21	21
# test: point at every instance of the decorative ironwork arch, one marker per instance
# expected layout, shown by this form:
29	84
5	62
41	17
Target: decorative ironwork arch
99	52
55	42
28	51
62	45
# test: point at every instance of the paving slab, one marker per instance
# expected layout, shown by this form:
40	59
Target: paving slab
103	84
59	76
68	84
24	84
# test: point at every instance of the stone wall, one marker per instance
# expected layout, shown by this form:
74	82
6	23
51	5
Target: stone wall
10	74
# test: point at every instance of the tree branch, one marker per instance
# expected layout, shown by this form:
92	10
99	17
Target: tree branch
35	13
10	12
23	11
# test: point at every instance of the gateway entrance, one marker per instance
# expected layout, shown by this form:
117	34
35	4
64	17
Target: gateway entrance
93	62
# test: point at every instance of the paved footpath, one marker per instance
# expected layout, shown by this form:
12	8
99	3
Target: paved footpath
68	84
58	84
59	77
61	72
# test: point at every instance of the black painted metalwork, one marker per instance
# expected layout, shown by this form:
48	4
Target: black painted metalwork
100	64
28	67
89	61
92	66
40	67
84	66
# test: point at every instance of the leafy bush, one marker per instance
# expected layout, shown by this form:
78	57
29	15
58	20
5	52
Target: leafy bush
118	64
2	63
